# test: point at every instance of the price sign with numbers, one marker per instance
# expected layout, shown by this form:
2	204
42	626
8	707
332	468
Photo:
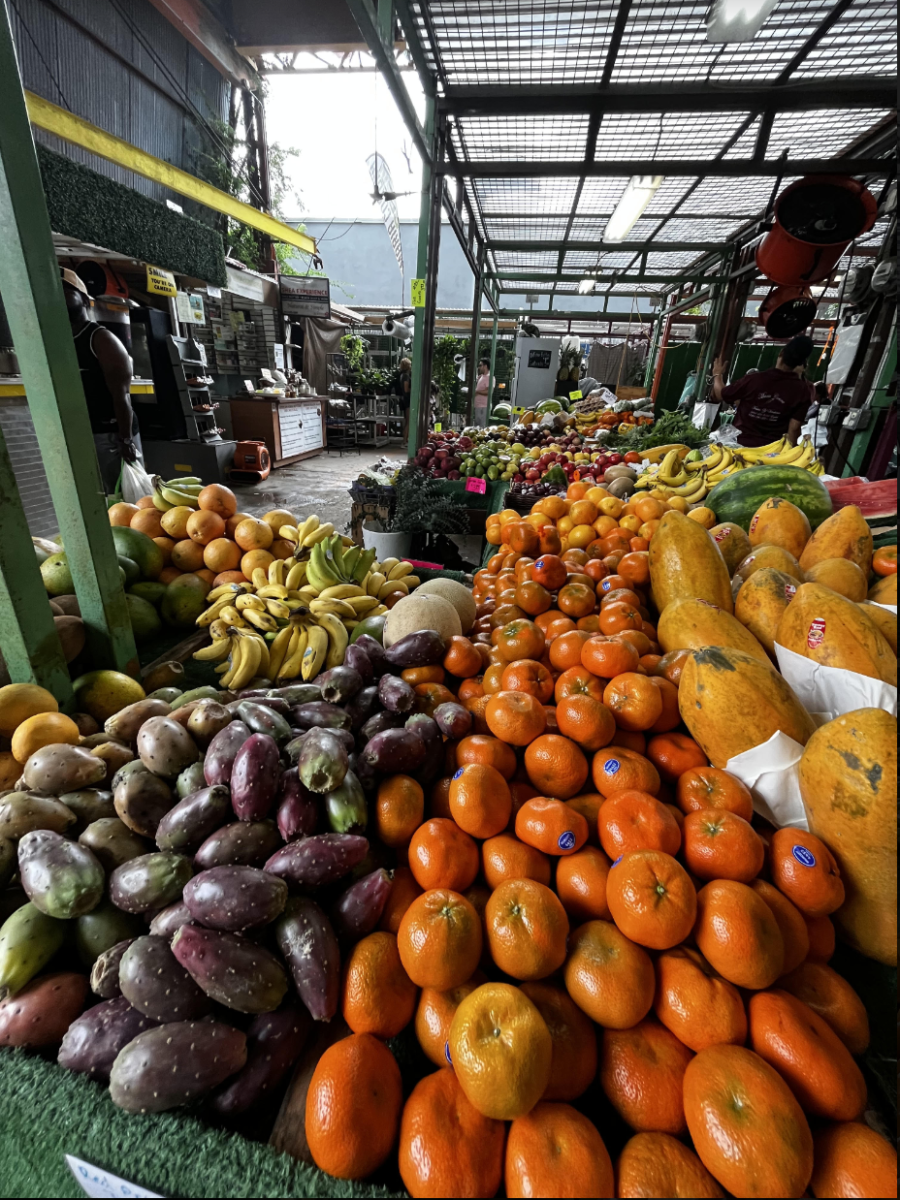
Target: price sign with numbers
474	484
574	395
417	287
438	427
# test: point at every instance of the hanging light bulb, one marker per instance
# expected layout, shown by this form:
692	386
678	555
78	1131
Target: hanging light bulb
586	286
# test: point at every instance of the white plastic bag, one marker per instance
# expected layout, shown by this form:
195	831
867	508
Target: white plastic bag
820	688
135	482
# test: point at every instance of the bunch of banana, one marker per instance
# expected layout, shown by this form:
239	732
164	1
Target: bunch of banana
803	455
247	654
181	491
307	535
671	477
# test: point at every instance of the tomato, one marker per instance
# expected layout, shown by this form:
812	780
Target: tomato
885	561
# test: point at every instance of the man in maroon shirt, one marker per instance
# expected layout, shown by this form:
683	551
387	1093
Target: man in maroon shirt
769	404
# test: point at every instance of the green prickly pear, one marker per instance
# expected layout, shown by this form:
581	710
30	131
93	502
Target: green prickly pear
28	940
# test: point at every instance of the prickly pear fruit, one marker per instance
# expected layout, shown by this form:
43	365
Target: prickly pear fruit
88	805
254	777
113	843
274	1042
105	971
20	813
190	780
126	723
175	1064
310	948
221	751
235	898
154	982
322	762
314	861
28	940
165	747
359	909
55	769
241	844
142	799
230	969
263	719
169	920
93	1040
61	878
186	827
101	929
346	806
8	860
41	1013
297	813
150	882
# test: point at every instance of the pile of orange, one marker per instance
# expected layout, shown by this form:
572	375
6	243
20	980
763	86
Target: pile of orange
583	908
214	540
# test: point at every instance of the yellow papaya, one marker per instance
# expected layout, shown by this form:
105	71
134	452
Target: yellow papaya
761	602
829	629
770	556
694	624
842	576
777	522
731	702
843	535
685	564
733	543
848	781
884	591
884	620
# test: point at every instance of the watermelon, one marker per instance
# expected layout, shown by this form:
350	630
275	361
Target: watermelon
738	497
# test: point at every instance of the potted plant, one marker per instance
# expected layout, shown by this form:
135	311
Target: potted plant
422	512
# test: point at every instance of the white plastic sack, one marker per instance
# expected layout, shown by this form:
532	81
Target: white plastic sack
135	481
819	687
772	773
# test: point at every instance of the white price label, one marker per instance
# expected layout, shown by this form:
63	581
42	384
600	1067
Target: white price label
94	1181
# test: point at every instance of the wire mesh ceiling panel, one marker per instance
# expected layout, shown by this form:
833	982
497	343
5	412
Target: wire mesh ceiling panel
824	132
532	138
862	42
666	135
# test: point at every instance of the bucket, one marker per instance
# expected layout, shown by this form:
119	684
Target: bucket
816	219
386	545
787	311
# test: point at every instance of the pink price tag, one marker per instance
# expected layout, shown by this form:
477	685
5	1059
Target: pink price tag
474	484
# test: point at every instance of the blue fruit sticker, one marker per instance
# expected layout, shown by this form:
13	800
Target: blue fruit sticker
616	863
611	766
803	856
447	1053
566	840
606	585
458	773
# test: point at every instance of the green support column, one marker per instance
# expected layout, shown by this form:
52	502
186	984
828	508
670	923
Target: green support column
31	649
493	381
654	348
475	339
32	294
418	352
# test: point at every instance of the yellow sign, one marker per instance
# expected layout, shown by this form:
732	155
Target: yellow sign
160	282
417	286
574	395
438	428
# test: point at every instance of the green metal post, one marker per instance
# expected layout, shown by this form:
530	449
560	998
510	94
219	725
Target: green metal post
716	313
492	378
33	298
386	22
418	353
31	648
654	349
475	339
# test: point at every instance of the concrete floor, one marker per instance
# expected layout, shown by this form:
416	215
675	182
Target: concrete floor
316	485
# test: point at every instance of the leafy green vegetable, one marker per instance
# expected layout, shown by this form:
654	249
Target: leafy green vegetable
670	427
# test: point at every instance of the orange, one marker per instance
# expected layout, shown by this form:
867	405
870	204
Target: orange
790	922
738	935
671	665
609	657
399	809
529	677
551	826
576	600
441	855
655	1164
584	512
232	522
480	802
501	1051
148	521
527	929
832	997
282	548
804	869
517	718
638	639
520	639
670	717
440	940
167	545
746	1126
853	1160
556	1151
471	688
205	574
446	1146
634	700
616	768
808	1055
253	534
565	650
555	766
552	506
577	681
674	753
461	658
651	898
492	680
642	1072
719	844
550	571
204	527
378	997
416	675
587	721
504	857
581	884
122	513
634	820
622	595
353	1107
695	1003
255	558
403	891
533	598
217	498
608	976
822	938
574	1061
635	567
435	1014
557	627
41	729
221	554
619	616
167	574
187	555
711	787
229	577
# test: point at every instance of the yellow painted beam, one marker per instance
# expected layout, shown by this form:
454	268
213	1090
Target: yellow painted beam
79	132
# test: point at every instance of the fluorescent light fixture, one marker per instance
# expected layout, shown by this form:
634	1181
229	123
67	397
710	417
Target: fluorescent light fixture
638	193
737	20
586	287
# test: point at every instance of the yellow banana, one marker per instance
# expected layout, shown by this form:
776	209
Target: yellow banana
411	581
341	591
307	593
276	570
218	649
260	577
293	660
218	629
340	608
243	603
318	535
386	567
233	617
260	620
309	526
250	651
401	569
278	650
362	605
273	591
278	609
337	639
375	582
315	653
295	576
392	585
226	589
289	533
209	614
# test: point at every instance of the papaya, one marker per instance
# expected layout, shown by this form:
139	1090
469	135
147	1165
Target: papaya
685	564
884	591
829	629
761	601
886	622
733	543
842	576
843	535
777	522
731	702
693	624
848	781
770	556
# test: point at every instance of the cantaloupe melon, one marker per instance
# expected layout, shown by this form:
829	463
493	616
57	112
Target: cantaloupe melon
416	612
458	595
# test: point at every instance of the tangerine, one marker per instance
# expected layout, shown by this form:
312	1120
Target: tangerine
378	997
529	677
651	898
674	753
822	939
204	527
634	820
556	1151
738	935
642	1073
440	940
403	891
587	721
480	802
527	929
577	681
806	871
634	700
655	1164
719	844
551	826
434	1015
517	718
581	880
399	809
504	857
441	855
461	658
853	1160
710	787
832	997
574	1061
609	657
617	768
520	638
695	1004
489	751
565	650
790	922
608	976
556	767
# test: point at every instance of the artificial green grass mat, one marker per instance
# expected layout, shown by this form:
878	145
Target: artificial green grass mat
46	1113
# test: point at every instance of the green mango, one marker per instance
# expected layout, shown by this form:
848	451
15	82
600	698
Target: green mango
149	590
373	626
131	569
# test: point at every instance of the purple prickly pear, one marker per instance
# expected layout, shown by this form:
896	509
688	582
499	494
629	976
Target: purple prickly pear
310	949
274	1042
105	971
156	984
231	970
359	909
254	777
314	861
297	813
235	898
175	1064
93	1041
241	844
